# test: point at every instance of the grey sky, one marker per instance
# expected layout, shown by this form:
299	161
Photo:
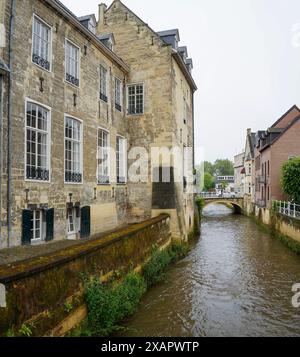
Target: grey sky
246	68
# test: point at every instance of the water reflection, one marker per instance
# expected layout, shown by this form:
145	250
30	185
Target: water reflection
236	281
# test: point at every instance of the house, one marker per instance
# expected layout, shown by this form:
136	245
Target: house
249	167
160	94
274	147
224	184
81	98
239	174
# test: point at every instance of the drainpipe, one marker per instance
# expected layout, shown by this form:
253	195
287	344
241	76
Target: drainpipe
9	125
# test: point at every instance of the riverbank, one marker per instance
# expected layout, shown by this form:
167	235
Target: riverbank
109	304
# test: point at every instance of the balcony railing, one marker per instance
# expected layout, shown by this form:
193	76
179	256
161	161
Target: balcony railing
118	107
287	209
42	62
103	97
72	79
103	180
73	177
39	174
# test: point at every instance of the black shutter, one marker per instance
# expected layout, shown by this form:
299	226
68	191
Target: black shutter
49	225
26	227
85	225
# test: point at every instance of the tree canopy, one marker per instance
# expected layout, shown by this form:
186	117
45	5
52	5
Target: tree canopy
290	179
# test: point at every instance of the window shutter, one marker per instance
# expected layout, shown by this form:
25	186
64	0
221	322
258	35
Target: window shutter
26	227
49	225
85	225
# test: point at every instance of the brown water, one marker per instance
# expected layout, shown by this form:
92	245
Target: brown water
236	281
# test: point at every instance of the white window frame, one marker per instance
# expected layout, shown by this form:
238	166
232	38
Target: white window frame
127	95
36	17
108	154
121	94
78	63
49	130
124	159
80	151
41	228
103	68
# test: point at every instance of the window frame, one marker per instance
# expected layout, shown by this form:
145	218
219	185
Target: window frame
127	96
124	160
103	96
41	228
109	157
35	16
49	131
120	108
78	63
80	153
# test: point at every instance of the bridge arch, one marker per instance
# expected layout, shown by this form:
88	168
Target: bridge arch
237	204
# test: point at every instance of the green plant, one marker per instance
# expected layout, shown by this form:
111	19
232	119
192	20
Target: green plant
68	307
26	330
108	304
10	333
290	179
200	203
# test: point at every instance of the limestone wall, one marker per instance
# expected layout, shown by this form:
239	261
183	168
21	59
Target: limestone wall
37	290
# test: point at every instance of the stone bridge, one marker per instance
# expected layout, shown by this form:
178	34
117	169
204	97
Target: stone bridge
236	202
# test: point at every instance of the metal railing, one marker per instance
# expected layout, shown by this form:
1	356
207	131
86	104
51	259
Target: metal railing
211	195
287	209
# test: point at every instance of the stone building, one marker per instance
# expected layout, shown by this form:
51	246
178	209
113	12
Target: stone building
239	174
161	70
76	103
274	147
249	167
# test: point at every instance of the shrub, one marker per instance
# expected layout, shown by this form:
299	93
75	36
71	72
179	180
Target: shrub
107	305
290	180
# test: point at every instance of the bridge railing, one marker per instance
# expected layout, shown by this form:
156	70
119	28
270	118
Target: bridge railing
287	209
212	195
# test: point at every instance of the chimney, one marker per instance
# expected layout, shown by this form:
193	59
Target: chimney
101	19
249	131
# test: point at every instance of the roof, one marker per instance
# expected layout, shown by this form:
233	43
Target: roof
87	17
174	32
160	34
285	114
69	15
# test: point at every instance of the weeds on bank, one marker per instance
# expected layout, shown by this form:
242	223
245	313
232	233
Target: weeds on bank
109	304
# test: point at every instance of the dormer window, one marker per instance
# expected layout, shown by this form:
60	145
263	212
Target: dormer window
92	27
108	40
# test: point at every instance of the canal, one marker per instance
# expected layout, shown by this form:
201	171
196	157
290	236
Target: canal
236	281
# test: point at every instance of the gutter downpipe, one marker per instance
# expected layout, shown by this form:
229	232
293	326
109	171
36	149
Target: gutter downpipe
1	148
9	126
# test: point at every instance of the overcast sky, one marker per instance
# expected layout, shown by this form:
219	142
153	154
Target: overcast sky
246	57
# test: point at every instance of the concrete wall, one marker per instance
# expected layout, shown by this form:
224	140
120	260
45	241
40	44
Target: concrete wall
36	290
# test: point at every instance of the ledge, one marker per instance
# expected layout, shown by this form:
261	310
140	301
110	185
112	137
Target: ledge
26	268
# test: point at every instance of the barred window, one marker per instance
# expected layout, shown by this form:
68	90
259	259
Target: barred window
103	84
135	99
72	63
121	160
103	157
41	44
73	150
118	94
37	142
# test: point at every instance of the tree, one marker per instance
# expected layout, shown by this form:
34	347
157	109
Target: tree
223	168
290	179
209	181
209	167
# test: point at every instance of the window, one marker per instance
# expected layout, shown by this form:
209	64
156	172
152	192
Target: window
71	220
36	225
103	84
184	111
121	160
118	95
103	157
37	142
136	99
73	150
72	63
41	44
